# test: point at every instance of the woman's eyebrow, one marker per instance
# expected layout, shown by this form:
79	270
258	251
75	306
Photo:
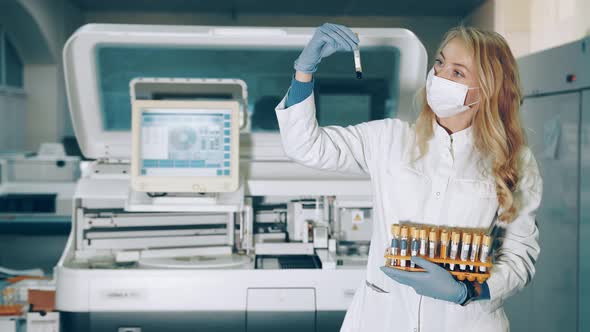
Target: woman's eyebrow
461	65
457	64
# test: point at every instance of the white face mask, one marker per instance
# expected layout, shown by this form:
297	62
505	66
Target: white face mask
445	97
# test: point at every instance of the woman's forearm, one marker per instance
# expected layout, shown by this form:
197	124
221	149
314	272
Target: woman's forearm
303	77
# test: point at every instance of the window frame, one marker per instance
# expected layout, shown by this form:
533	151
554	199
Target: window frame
4	87
2	59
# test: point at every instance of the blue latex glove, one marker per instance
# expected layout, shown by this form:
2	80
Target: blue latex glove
436	282
326	40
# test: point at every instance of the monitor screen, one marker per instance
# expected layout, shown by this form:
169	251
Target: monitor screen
185	146
185	142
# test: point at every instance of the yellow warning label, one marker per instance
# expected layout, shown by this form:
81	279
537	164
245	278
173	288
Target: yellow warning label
358	216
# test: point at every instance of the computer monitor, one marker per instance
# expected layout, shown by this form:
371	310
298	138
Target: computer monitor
185	146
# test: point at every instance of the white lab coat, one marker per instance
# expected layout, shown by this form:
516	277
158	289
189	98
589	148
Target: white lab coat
450	186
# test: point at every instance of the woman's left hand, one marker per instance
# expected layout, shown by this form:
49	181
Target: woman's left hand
436	282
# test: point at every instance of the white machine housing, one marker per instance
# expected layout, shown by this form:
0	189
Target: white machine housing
43	182
99	295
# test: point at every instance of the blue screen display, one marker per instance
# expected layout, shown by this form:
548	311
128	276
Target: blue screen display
185	142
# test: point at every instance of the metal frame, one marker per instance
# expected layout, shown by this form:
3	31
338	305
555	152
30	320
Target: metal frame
3	57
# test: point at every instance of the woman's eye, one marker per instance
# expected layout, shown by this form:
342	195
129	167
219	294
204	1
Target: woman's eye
458	74
438	62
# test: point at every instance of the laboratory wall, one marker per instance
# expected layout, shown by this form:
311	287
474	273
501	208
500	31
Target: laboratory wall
47	113
39	29
532	26
12	132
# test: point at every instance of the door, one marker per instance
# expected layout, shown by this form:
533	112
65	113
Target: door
584	237
552	128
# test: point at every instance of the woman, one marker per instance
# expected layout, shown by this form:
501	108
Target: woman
463	163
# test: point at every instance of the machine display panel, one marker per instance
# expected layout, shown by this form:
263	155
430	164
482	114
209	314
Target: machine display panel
185	142
185	146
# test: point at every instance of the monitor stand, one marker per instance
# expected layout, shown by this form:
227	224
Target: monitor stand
180	202
186	198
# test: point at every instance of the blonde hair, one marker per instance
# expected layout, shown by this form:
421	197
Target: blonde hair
498	135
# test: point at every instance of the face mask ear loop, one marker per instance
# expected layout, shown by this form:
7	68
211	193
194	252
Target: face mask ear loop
475	102
474	113
473	118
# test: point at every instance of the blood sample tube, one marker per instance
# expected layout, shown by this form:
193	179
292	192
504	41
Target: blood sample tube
475	249
395	239
486	245
455	239
465	246
403	251
423	242
415	244
433	243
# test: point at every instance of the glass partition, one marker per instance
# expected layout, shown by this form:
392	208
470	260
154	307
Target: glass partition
341	98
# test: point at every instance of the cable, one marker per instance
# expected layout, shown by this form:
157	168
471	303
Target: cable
153	195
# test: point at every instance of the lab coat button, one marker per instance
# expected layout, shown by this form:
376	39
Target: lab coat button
438	194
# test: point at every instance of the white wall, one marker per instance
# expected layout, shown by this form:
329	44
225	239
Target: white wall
534	25
48	118
39	28
12	119
557	22
43	122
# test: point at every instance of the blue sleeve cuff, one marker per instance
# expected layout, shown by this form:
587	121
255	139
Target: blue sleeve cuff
299	92
485	292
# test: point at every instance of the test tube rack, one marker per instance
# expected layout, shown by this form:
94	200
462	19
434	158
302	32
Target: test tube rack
478	276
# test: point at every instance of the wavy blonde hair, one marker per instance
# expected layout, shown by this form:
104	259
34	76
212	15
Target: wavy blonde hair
498	135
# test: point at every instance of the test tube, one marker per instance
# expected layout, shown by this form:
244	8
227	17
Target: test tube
433	244
475	248
466	245
404	244
357	61
415	244
423	242
486	244
444	244
395	232
455	239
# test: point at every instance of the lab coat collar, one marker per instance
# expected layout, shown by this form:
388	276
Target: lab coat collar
457	141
